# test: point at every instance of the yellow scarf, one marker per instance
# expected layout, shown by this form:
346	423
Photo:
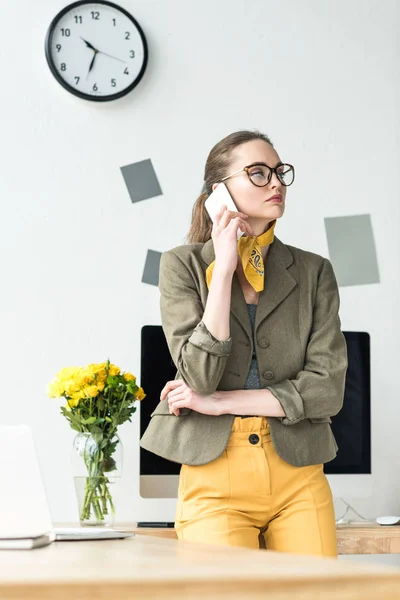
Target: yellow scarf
249	249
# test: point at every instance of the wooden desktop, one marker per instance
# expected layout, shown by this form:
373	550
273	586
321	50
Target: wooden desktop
356	538
147	566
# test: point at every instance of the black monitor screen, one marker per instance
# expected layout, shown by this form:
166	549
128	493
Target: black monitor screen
351	427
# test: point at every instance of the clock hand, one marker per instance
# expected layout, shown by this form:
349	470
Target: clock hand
92	63
114	57
89	45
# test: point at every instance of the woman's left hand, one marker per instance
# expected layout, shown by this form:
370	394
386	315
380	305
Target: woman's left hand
181	396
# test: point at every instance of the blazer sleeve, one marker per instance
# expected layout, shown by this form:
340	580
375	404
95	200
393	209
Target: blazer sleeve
199	357
318	389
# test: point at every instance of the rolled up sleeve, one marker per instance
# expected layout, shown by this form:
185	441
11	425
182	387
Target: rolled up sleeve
204	340
199	357
318	389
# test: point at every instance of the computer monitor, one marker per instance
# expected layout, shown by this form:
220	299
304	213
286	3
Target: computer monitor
351	427
350	474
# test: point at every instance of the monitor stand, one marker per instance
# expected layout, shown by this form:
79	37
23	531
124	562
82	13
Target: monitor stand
342	520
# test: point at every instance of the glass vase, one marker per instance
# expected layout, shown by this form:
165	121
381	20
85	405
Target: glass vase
97	470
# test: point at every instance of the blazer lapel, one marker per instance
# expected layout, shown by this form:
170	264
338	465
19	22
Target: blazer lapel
278	282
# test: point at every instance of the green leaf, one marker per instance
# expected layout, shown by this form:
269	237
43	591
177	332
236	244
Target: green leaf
100	403
109	464
89	421
96	433
74	420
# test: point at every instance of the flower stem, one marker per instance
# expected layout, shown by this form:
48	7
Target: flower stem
97	499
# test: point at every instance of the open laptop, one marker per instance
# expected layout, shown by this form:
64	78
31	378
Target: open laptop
25	520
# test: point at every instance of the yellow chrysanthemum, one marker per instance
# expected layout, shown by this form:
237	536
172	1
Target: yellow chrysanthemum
95	367
91	391
54	389
98	370
67	372
80	383
129	377
140	394
77	396
72	402
114	370
71	387
63	379
84	377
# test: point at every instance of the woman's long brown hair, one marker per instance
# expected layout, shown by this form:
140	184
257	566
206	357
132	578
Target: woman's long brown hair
217	165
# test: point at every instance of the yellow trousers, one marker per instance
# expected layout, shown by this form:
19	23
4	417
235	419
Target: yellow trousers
249	490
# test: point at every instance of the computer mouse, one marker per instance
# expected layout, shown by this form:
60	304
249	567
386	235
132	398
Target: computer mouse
390	520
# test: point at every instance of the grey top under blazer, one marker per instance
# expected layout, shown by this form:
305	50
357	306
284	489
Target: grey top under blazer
300	350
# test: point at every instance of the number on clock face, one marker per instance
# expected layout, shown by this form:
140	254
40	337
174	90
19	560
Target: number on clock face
96	50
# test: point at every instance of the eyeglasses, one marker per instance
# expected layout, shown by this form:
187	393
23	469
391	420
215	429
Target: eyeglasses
260	174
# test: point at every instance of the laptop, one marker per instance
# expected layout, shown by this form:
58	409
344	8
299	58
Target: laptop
25	520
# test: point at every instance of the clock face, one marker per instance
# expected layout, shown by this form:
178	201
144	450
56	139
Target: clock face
96	50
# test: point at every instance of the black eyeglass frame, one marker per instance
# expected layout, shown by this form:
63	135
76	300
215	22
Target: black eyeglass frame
271	170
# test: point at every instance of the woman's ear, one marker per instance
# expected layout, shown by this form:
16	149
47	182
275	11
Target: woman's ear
214	185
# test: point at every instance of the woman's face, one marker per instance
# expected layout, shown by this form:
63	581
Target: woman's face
250	199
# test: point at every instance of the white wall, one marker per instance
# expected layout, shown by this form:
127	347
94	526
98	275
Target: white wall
320	77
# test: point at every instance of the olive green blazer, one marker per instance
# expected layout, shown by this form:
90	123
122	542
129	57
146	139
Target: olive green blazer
298	342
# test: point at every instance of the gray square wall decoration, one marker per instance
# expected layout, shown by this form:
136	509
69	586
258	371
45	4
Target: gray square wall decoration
141	180
352	249
151	267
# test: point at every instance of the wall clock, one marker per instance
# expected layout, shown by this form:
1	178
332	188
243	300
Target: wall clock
96	50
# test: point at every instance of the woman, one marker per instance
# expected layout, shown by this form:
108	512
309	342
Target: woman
254	331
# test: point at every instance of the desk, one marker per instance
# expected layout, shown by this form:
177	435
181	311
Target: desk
146	567
369	538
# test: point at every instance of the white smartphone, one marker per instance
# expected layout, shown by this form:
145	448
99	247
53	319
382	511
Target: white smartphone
219	197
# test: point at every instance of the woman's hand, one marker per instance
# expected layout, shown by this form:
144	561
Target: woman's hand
181	396
224	236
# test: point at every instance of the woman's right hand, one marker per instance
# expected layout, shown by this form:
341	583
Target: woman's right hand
224	236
